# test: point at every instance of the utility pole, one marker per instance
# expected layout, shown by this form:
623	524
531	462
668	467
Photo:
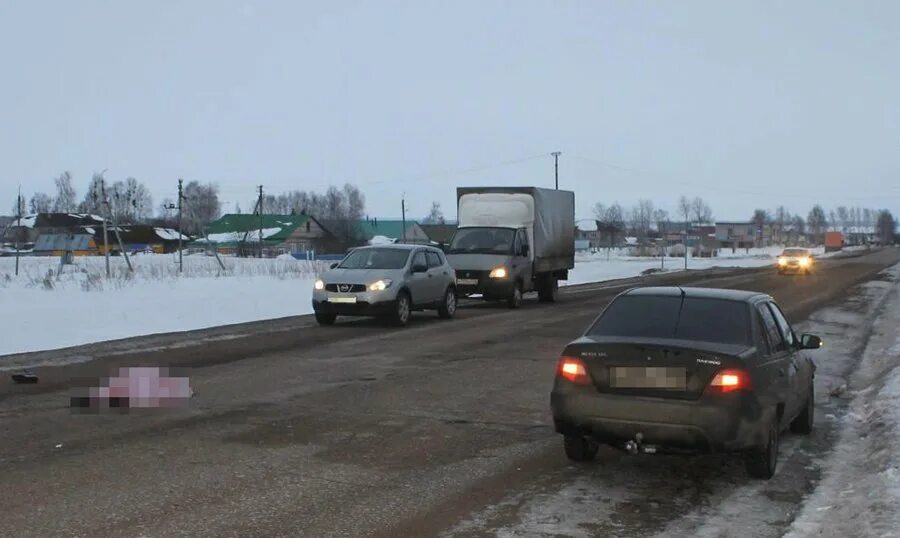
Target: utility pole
556	155
403	212
18	225
260	203
118	233
180	233
105	230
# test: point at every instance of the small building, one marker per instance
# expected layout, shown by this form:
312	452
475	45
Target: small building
413	233
266	235
138	238
60	244
439	233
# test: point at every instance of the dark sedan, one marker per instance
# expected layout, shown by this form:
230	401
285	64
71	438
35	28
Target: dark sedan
686	369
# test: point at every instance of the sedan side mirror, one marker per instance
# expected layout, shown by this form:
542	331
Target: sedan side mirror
334	265
419	268
810	341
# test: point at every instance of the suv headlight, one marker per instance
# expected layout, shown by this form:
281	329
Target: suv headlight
381	285
499	272
782	261
319	285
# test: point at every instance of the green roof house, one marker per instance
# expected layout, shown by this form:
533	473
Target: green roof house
275	234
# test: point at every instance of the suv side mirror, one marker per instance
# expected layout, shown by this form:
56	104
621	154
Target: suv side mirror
334	265
810	341
419	268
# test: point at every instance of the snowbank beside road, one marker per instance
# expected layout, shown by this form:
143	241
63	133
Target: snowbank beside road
860	492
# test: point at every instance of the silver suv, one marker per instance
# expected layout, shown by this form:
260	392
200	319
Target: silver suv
386	281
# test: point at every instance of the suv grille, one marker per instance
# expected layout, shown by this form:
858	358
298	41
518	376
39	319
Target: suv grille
345	288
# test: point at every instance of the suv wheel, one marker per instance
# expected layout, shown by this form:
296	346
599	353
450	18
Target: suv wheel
448	307
325	319
402	309
803	424
515	298
580	448
763	460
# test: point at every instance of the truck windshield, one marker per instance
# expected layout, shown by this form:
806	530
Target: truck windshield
483	241
376	258
701	319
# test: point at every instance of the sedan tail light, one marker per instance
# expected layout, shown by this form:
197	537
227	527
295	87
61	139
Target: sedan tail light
729	381
573	370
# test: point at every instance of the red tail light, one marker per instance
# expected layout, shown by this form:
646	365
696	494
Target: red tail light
573	370
730	381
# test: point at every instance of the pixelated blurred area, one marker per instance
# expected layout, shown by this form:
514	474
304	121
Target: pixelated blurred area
132	388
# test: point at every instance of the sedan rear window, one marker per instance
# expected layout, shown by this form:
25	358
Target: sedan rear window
690	318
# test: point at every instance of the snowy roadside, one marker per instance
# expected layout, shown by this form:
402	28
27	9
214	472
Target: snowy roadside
860	492
42	311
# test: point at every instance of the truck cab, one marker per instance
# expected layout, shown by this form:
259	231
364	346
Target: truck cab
511	241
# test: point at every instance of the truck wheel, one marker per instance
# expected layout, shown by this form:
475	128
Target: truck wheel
515	298
580	448
549	290
803	424
448	307
763	460
325	319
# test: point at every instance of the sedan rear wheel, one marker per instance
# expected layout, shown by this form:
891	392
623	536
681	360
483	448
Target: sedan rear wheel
803	424
580	448
761	463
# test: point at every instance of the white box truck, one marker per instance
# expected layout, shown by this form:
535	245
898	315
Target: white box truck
512	240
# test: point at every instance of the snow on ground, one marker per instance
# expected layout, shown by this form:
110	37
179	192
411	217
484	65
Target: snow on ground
43	311
860	492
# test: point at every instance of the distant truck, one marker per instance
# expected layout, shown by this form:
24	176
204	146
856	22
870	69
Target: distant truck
834	241
512	240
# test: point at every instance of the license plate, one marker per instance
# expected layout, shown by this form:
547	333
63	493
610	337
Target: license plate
344	300
647	377
467	281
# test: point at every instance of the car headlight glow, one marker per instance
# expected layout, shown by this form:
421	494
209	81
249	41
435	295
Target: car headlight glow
804	262
319	285
782	261
381	285
499	272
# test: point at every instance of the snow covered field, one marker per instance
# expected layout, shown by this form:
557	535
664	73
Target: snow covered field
42	311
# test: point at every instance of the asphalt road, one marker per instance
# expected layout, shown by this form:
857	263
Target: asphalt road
357	429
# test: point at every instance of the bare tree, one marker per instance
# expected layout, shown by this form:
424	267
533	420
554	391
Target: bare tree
816	223
40	203
782	219
131	202
885	227
660	217
799	225
65	194
611	222
701	211
759	220
843	215
642	217
684	210
93	198
200	206
356	202
435	216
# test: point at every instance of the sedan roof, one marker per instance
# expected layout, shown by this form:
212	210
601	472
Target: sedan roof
705	293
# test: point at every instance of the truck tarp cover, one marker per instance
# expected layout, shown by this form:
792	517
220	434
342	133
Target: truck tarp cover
554	224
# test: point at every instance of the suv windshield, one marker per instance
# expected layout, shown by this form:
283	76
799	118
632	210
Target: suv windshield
795	252
483	241
376	258
702	319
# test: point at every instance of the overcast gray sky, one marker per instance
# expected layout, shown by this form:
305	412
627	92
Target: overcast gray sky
749	104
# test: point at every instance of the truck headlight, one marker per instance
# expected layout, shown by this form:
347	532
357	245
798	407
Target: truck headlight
319	285
381	285
499	272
